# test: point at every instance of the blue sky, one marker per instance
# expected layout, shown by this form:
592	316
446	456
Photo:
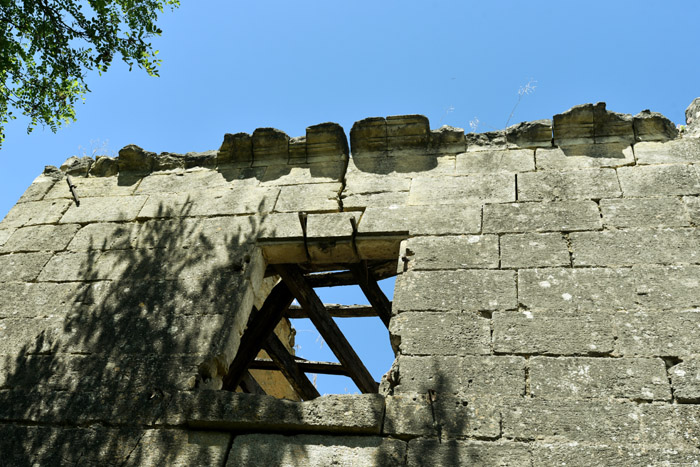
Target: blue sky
232	66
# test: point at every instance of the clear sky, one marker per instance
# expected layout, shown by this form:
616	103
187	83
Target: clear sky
232	66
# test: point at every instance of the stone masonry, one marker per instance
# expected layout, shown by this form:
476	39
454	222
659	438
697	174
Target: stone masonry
546	310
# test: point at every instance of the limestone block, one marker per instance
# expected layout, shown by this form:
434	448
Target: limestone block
685	380
236	149
535	134
447	140
303	173
592	123
402	163
192	159
19	336
221	231
180	448
685	150
442	415
190	181
389	199
107	209
407	132
452	252
329	237
270	146
36	191
667	287
358	183
518	160
326	141
304	450
644	212
652	126
652	333
464	290
436	453
105	236
310	198
381	247
297	150
361	413
236	200
282	238
422	220
572	421
575	184
671	426
94	187
40	238
586	289
35	213
542	217
490	376
22	266
575	455
104	167
449	333
552	332
599	378
5	234
534	250
134	159
80	266
35	300
658	181
639	246
368	136
585	156
488	141
485	188
78	166
167	205
692	206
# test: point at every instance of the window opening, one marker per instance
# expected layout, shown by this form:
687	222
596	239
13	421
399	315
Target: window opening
304	285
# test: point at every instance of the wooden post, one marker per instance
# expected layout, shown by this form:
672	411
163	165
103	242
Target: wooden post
372	291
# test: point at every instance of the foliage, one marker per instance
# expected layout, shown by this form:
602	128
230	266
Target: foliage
48	46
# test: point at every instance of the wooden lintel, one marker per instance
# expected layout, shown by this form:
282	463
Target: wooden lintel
289	368
307	366
305	294
335	310
372	291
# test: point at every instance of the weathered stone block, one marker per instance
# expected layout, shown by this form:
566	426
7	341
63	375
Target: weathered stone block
403	163
24	336
576	289
78	166
302	450
38	189
485	188
644	212
585	156
435	453
229	201
462	252
368	136
391	200
599	378
659	180
378	247
470	375
107	209
95	187
552	332
667	287
576	184
488	141
105	236
22	266
5	234
192	180
134	159
692	206
180	448
282	238
518	160
467	290
653	333
35	213
236	149
534	250
277	175
449	333
270	146
32	300
359	183
535	134
316	197
685	150
685	380
422	220
40	238
671	426
104	167
652	126
447	140
407	132
326	141
575	455
592	123
329	237
542	217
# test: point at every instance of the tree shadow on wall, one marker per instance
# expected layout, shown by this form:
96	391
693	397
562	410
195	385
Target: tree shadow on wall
146	307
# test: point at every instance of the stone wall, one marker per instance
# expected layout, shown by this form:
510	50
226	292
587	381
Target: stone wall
546	311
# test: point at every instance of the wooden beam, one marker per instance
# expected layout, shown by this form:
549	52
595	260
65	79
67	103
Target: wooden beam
372	291
260	326
292	276
289	368
249	385
307	366
335	310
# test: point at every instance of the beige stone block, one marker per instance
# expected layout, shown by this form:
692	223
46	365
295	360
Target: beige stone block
518	160
94	187
585	156
35	213
485	188
107	209
422	220
22	266
684	150
644	212
542	217
452	252
309	198
575	184
40	238
656	181
534	250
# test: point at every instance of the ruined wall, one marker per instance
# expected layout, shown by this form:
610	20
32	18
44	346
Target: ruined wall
546	309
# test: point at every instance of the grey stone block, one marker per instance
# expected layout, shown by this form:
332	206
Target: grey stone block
224	410
40	238
499	376
441	415
422	220
516	160
34	300
5	234
389	199
311	198
407	132
403	163
362	183
667	287
304	450
463	252
534	250
685	380
21	335
685	150
552	332
180	448
95	187
236	149
437	453
659	181
629	247
239	199
38	189
587	289
329	237
485	188
599	378
278	175
644	212
467	290
654	333
542	217
191	180
671	426
692	206
575	455
35	213
105	236
652	126
22	266
447	140
270	146
449	333
585	156
575	184
107	209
